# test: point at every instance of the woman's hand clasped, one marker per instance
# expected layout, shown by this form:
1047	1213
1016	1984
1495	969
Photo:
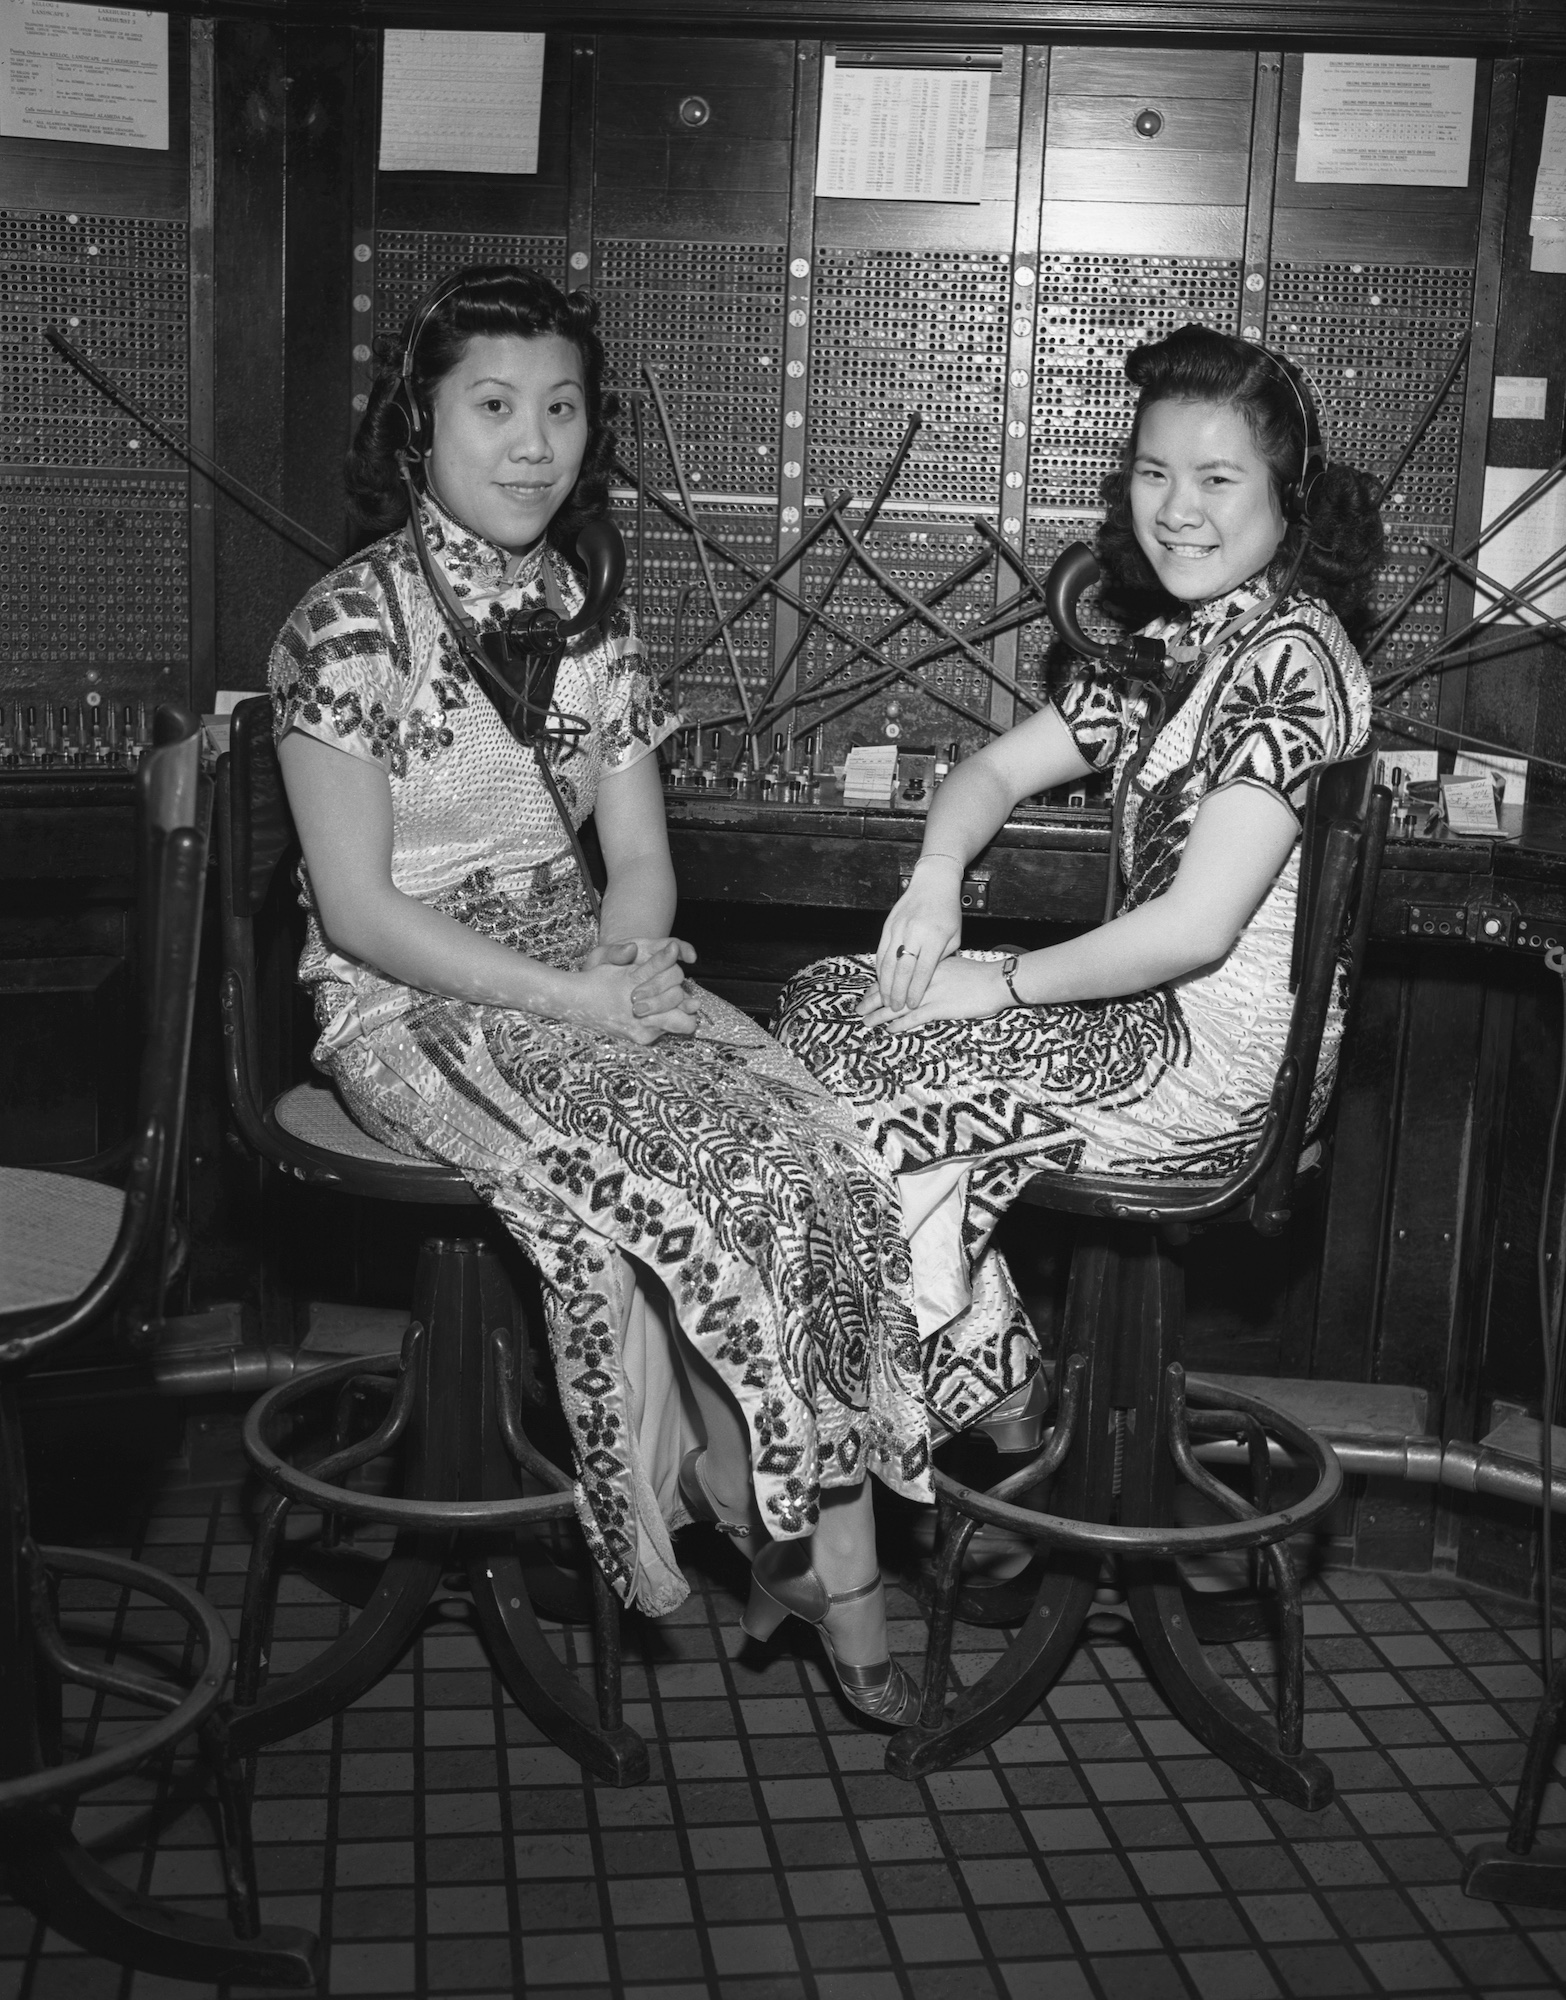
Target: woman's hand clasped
959	989
923	929
636	989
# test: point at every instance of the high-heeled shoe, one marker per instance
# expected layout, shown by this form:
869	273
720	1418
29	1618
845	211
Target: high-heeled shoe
702	1505
886	1692
1015	1424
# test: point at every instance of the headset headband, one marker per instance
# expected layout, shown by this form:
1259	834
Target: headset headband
1313	454
418	319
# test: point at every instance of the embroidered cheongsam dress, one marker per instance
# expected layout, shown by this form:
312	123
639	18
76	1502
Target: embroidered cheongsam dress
1170	1082
708	1178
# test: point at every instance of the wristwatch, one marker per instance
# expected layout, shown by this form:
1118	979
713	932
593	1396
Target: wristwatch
1009	974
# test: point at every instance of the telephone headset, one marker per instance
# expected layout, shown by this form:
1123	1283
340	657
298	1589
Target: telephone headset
515	663
1139	665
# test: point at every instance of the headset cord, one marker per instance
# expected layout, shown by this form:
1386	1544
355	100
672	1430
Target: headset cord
1551	1289
1153	721
504	699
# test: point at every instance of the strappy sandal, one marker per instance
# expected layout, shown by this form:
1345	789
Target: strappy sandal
885	1691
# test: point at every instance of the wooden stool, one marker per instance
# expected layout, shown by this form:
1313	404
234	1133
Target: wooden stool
1126	1407
454	1412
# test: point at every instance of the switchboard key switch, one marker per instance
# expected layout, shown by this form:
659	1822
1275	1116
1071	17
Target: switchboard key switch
772	776
8	746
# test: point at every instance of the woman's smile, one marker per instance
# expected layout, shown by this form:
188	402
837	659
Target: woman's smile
1203	503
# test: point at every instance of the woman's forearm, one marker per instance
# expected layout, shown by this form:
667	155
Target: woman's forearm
969	808
1146	947
639	900
408	941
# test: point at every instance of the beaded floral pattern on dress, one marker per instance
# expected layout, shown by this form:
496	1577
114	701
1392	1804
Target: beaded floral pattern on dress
716	1163
1171	1083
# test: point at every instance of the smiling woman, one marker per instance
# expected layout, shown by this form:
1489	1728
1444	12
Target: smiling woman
1148	1046
724	1275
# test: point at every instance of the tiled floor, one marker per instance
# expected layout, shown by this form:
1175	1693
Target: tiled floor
442	1848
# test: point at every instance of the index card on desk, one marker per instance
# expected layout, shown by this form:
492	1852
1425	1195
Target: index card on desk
870	775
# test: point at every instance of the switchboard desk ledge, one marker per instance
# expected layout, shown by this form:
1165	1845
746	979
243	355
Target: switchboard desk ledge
1047	865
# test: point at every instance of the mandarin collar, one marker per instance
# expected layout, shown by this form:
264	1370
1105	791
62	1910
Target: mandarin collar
1210	612
1187	643
472	564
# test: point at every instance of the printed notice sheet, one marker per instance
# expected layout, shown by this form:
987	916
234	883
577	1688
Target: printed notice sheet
1548	221
456	103
902	134
1535	541
96	75
1393	121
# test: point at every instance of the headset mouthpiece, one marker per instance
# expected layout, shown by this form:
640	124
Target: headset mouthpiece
1073	571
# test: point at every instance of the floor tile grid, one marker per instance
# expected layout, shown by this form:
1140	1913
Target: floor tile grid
499	1702
579	1657
659	1749
719	1631
1390	1616
966	1670
82	1606
1444	1588
1092	1955
1420	1697
1253	1664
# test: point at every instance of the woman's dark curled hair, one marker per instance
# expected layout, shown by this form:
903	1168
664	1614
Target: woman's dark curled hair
1341	532
488	298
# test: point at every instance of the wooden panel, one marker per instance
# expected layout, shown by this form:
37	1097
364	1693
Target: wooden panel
1142	228
1310	235
654	175
1495	116
1118	72
203	494
1518	699
908	225
1354	1248
61	1057
1436	26
318	265
250	149
1433	1134
1151	176
1108	124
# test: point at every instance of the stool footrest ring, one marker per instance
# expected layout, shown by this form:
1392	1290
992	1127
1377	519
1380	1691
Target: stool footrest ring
438	1515
1110	1538
182	1718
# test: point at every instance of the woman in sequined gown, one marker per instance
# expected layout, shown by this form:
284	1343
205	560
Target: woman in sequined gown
1148	1046
720	1251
